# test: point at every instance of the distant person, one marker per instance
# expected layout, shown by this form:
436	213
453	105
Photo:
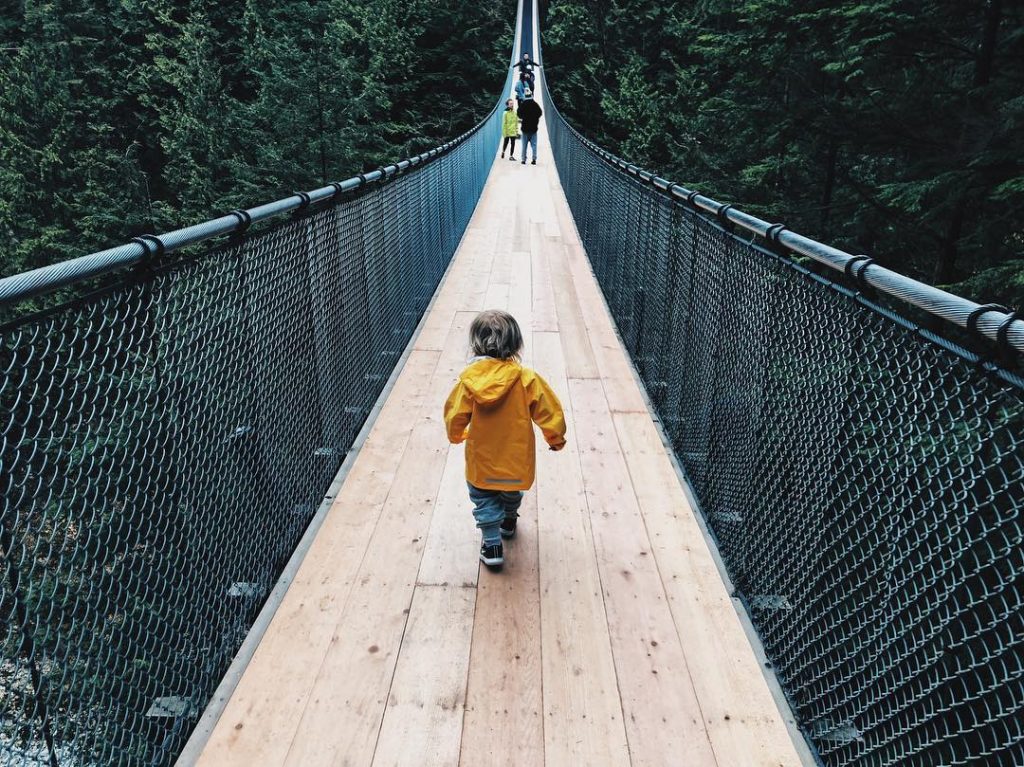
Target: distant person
509	130
521	86
492	409
526	64
530	113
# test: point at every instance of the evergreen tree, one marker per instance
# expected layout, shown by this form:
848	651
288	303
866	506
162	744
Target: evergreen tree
891	128
128	116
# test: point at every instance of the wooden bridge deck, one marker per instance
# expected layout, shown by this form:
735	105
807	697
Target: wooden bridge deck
608	639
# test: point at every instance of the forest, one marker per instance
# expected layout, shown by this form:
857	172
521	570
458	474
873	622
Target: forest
893	128
122	117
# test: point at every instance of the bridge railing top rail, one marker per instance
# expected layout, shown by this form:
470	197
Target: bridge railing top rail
999	324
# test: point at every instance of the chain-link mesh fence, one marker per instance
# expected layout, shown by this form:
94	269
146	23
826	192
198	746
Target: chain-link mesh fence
863	479
166	441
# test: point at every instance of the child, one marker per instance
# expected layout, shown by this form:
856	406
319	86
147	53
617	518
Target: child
509	130
491	408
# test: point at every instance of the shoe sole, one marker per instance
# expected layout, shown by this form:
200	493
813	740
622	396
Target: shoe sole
492	562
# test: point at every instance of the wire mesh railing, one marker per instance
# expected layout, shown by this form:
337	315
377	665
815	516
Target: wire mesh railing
166	440
863	478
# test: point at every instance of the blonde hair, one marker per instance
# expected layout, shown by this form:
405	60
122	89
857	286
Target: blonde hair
495	333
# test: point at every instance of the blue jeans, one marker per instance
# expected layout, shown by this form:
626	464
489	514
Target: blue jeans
531	140
492	506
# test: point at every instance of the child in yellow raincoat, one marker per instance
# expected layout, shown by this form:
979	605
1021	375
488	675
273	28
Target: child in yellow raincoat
493	408
509	130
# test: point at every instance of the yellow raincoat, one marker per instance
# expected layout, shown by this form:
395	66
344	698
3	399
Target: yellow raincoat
491	408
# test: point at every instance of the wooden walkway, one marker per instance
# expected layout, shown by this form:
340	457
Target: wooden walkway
608	638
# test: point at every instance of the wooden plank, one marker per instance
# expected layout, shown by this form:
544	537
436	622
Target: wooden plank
503	722
620	387
663	717
520	292
352	683
423	723
743	722
260	719
496	297
450	363
450	556
521	218
545	316
582	713
579	356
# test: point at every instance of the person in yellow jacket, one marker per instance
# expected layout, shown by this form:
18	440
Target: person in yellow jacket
492	409
509	130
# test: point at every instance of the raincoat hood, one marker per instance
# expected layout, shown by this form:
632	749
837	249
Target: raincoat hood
489	380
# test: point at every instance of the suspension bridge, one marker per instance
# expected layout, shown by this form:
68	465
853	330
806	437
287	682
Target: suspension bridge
786	528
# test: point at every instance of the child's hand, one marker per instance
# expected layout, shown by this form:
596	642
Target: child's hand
556	448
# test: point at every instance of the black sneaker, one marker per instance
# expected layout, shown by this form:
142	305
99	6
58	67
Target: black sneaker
534	161
511	156
502	155
508	527
492	555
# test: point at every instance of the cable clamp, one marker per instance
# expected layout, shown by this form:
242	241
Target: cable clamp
975	315
855	269
722	214
244	220
153	245
772	235
336	185
692	196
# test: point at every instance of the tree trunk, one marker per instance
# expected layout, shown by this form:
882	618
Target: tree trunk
971	140
830	183
945	267
987	49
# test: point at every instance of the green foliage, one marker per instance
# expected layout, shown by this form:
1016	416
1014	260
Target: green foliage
883	127
121	117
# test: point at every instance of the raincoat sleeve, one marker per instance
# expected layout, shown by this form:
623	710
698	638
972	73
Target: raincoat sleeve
458	409
546	412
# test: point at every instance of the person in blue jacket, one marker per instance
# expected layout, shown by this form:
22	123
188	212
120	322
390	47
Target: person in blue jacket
521	87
